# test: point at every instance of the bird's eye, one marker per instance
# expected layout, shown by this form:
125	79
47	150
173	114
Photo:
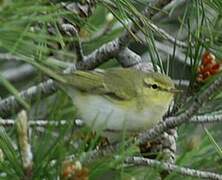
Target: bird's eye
154	86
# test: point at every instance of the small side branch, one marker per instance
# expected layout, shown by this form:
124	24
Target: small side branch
10	105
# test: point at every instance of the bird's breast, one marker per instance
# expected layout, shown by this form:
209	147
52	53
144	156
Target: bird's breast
100	113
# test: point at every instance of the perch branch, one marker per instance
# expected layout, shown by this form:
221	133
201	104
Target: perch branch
10	105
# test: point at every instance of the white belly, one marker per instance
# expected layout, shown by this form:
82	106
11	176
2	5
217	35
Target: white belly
100	114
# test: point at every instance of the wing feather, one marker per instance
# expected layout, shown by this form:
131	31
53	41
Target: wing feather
114	82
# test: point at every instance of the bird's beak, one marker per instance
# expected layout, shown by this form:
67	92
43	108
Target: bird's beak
174	90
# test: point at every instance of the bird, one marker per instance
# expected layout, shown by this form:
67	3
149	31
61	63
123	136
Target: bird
116	100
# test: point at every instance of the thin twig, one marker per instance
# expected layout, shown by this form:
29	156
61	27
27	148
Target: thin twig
140	161
33	123
214	118
10	105
11	122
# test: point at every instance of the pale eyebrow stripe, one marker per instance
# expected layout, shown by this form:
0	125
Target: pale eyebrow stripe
158	87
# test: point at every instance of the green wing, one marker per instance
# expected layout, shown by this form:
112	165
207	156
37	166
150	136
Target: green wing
88	81
121	82
116	82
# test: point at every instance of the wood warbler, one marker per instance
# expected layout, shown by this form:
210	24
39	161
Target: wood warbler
115	99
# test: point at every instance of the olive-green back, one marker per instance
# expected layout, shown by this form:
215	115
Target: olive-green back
115	81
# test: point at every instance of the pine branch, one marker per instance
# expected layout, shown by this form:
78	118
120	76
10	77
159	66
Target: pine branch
10	105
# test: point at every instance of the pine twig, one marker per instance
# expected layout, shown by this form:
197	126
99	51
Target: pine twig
11	105
214	118
34	123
